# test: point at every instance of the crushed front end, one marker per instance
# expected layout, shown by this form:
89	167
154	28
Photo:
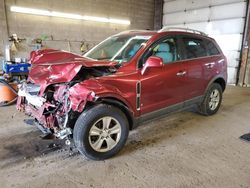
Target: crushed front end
52	110
56	91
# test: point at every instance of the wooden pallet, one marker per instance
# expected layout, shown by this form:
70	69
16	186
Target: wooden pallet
247	75
243	67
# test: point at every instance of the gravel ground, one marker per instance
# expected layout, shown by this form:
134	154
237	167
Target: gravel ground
181	150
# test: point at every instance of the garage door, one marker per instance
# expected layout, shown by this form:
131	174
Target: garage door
221	19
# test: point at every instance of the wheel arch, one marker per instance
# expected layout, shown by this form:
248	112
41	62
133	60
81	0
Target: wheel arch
222	83
220	80
122	106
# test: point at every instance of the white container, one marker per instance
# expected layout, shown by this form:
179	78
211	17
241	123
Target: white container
7	53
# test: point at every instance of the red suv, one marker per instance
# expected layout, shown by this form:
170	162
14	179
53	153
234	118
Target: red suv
127	79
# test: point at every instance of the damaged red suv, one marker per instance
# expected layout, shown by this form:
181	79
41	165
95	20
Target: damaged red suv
127	79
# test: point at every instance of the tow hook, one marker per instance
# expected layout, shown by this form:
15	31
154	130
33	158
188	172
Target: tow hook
67	142
63	133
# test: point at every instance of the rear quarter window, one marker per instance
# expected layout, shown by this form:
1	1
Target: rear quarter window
211	48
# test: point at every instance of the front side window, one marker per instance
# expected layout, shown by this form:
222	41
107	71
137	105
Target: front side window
194	48
117	48
165	49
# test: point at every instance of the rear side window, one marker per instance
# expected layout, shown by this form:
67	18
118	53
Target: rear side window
194	48
211	48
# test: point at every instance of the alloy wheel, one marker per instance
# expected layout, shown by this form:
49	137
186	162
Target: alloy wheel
104	134
214	99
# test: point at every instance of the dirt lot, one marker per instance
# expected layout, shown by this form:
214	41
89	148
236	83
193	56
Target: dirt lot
182	150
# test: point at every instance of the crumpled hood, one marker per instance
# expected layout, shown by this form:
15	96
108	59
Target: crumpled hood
54	66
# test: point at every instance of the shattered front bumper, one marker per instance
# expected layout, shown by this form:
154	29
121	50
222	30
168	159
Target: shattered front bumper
57	112
33	105
30	92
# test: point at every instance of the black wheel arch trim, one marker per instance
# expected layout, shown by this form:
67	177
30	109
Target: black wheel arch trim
218	77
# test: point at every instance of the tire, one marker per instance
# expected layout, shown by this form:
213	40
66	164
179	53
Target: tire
95	141
210	106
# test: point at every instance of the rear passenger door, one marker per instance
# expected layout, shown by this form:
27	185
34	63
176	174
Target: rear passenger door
195	59
213	65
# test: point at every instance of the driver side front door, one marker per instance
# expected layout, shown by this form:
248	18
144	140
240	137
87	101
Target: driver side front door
162	88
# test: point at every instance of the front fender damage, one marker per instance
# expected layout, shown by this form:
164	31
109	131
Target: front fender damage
79	95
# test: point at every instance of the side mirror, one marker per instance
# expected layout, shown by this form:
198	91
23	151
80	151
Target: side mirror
152	61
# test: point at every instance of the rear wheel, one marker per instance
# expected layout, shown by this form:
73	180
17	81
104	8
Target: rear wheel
212	100
101	132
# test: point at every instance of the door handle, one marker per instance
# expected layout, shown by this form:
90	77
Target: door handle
210	65
181	73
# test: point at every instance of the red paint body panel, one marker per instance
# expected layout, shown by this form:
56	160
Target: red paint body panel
79	95
161	87
121	86
56	57
45	75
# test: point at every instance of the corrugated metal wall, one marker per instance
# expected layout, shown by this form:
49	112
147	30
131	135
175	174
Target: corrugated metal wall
221	19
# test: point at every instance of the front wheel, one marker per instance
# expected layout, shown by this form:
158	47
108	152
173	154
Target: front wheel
101	132
212	100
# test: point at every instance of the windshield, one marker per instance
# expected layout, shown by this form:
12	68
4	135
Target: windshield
117	48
